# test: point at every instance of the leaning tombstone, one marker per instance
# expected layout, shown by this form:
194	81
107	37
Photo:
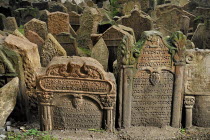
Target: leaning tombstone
8	95
10	24
138	21
74	20
51	49
150	78
36	26
76	93
100	52
58	22
68	42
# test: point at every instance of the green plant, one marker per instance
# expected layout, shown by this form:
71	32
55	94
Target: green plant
96	130
21	29
183	130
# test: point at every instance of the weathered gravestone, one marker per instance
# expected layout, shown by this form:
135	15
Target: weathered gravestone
51	49
30	58
2	20
138	21
10	24
8	95
73	7
74	20
197	89
100	52
58	22
68	42
36	26
112	37
88	25
129	6
76	93
57	7
150	89
201	37
169	18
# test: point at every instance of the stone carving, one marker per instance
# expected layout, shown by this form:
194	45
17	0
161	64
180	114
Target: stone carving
8	95
58	22
189	101
51	49
146	84
100	52
75	93
37	26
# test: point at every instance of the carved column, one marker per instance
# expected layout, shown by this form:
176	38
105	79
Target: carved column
189	102
126	96
109	121
45	111
178	94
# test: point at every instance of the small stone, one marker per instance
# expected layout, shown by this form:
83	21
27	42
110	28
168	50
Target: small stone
22	128
9	128
2	137
8	123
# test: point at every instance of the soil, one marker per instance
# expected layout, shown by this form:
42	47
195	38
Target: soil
133	133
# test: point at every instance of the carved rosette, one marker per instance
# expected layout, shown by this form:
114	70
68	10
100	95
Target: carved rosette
45	97
189	101
107	101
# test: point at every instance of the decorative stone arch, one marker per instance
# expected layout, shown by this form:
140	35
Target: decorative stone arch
79	87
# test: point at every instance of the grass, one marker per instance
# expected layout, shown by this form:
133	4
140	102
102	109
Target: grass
21	29
28	134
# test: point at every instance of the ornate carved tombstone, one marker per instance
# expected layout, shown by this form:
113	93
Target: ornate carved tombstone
150	88
76	93
197	89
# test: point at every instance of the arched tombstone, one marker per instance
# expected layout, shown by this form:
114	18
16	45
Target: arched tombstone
76	93
150	79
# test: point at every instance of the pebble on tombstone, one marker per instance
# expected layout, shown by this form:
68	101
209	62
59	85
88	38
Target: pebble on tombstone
51	49
100	52
10	24
36	26
58	22
8	95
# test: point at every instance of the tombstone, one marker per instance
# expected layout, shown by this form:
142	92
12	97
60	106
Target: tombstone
74	20
138	21
89	25
24	15
19	34
35	38
31	62
10	24
169	18
100	52
151	81
36	26
8	95
68	42
112	37
197	77
201	37
129	6
44	15
58	22
57	7
51	49
76	93
73	7
2	20
40	5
